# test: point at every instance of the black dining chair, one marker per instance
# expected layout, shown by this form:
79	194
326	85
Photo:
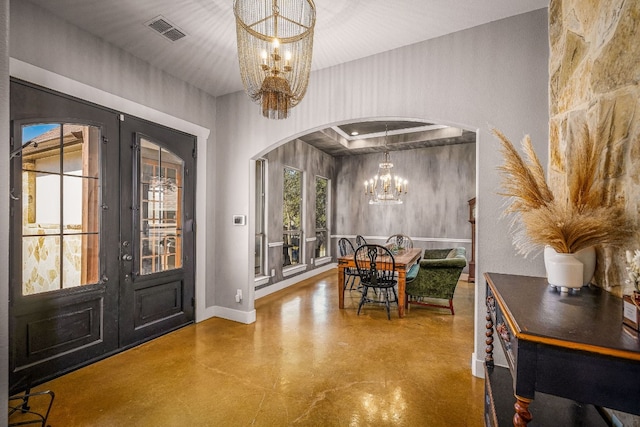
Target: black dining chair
345	247
360	241
399	242
376	268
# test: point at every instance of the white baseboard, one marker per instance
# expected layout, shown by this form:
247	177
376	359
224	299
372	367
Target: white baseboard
477	366
205	313
268	290
246	317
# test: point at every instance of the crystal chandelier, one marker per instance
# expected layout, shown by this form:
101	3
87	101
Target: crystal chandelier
385	188
275	45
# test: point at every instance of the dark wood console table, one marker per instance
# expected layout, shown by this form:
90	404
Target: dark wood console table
561	349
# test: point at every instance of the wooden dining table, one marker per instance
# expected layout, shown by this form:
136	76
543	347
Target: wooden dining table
404	259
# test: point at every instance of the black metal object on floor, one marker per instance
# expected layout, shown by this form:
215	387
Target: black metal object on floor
22	413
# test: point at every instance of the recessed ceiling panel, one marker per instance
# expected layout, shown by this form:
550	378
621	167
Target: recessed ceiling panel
405	136
374	127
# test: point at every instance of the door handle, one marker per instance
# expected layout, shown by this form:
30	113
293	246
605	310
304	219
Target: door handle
127	257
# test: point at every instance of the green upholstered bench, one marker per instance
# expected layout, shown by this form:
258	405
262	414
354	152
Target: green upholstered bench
437	277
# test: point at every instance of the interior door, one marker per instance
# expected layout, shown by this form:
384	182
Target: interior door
156	230
63	294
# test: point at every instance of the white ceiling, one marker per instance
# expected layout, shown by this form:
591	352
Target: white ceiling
206	58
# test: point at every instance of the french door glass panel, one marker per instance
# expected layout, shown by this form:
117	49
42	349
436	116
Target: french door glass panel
161	176
60	206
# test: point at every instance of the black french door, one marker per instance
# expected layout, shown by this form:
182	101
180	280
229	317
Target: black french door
156	226
102	248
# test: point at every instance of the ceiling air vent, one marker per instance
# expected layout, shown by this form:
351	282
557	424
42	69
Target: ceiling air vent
165	28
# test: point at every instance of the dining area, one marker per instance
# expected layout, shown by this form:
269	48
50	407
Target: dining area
385	273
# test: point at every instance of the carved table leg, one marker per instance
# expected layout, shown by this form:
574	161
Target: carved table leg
402	283
488	359
522	416
341	275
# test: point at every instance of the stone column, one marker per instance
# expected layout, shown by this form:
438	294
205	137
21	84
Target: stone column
595	80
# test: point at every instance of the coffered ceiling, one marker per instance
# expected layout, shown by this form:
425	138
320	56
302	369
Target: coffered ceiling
379	136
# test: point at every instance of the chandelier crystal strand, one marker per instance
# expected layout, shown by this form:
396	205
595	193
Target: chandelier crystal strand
385	188
275	47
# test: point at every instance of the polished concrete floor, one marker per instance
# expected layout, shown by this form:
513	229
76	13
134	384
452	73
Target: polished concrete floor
303	362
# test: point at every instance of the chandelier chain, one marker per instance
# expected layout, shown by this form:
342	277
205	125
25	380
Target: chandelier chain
275	47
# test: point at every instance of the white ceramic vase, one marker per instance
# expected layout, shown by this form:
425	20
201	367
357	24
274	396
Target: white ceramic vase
569	271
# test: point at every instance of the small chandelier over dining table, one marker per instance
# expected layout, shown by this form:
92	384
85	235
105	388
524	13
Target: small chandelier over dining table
275	46
385	188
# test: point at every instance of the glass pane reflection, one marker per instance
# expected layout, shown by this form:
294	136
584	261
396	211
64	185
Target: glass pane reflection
61	199
160	219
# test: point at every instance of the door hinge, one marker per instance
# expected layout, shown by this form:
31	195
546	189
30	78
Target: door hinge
193	302
186	171
105	140
17	152
194	152
13	196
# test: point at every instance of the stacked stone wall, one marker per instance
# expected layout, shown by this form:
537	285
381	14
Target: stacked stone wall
594	72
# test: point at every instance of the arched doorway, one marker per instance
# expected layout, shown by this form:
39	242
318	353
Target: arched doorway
439	162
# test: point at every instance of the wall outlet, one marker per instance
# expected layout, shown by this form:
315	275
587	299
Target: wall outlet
273	272
311	260
239	295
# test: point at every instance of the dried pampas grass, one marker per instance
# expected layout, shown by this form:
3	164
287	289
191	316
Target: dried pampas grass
568	224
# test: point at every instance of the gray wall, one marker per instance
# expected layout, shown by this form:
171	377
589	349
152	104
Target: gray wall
4	207
65	49
491	75
441	181
302	156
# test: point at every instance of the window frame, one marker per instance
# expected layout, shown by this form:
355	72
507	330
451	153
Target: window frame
261	207
327	211
300	230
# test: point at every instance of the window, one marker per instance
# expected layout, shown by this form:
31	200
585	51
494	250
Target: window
322	210
160	209
292	217
260	266
61	206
